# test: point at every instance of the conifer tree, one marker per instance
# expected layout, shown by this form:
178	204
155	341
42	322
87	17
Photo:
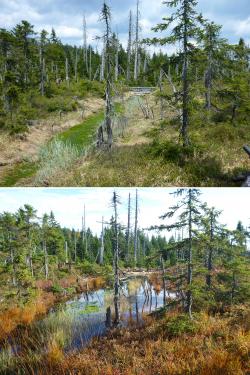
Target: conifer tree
185	32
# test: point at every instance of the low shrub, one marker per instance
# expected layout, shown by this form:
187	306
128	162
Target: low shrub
179	325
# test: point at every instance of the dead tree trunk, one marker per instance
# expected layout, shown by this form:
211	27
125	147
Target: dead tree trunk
208	84
85	48
129	49
75	247
90	63
210	252
163	280
67	71
102	243
136	42
106	16
43	72
76	65
161	92
117	60
103	62
136	229
84	233
66	253
12	258
128	228
116	264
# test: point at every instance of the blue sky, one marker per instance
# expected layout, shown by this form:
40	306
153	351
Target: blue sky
68	204
66	16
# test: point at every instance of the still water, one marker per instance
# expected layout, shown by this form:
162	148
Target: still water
73	324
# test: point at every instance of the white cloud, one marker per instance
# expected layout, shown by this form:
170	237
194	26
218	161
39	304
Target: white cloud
68	204
66	17
242	27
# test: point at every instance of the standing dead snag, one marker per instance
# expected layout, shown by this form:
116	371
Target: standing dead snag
117	48
136	67
102	244
128	228
85	47
115	202
136	229
161	92
129	49
76	65
67	71
103	62
106	17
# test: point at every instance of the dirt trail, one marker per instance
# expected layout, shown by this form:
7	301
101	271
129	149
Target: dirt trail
14	151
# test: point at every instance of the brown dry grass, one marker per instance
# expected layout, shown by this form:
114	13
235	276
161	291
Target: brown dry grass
13	316
16	315
217	347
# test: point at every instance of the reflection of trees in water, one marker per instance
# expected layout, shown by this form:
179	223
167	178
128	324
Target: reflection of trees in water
139	296
134	285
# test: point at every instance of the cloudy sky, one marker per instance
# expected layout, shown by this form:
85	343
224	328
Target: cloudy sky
66	16
68	204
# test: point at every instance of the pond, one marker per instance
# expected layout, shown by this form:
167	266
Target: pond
71	325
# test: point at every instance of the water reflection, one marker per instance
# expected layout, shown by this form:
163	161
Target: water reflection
138	296
77	321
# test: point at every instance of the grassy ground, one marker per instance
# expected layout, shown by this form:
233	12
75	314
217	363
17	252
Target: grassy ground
82	134
60	110
18	172
150	154
170	344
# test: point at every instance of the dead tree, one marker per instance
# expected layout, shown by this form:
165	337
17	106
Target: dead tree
161	92
164	280
67	71
129	49
136	42
128	227
100	136
90	63
12	259
75	247
106	17
115	202
103	61
117	59
43	76
136	229
102	243
85	48
76	64
66	253
84	234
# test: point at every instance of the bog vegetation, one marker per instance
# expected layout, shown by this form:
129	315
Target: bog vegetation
204	329
200	99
